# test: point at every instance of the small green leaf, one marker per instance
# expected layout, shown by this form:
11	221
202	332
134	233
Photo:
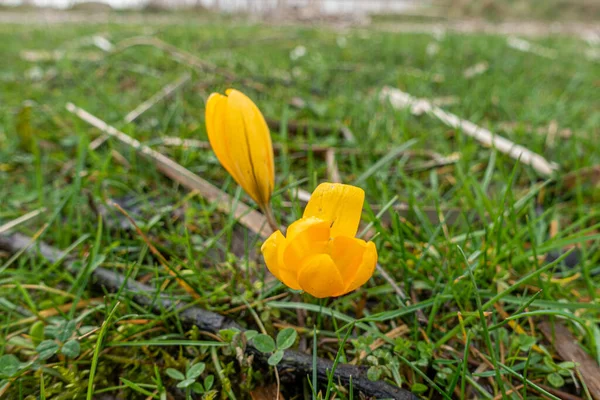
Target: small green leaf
228	334
556	380
275	358
71	349
21	341
198	388
286	338
526	342
549	364
418	388
195	371
422	362
37	333
264	343
250	334
9	365
66	330
565	372
208	382
173	373
374	373
185	383
47	349
567	365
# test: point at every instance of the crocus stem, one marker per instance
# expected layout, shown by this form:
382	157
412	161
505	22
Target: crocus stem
268	211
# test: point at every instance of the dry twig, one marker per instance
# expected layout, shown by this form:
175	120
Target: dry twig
400	100
23	218
528	47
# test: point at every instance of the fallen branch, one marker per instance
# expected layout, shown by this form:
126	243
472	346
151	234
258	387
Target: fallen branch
249	217
100	41
401	100
528	47
294	363
568	348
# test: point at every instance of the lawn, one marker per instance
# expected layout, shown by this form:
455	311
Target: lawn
489	268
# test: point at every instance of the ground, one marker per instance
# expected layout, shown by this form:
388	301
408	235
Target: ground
471	235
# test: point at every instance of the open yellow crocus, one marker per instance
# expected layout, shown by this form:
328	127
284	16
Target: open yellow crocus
240	138
320	254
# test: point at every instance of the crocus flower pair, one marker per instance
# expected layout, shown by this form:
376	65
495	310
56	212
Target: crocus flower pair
319	253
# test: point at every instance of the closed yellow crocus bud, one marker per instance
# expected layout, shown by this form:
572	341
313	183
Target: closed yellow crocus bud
320	254
240	138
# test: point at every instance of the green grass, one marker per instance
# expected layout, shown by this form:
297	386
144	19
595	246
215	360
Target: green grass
492	255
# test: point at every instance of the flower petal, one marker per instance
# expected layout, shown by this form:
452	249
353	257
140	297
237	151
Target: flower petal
310	223
347	253
306	237
272	250
320	277
339	204
216	107
365	269
251	148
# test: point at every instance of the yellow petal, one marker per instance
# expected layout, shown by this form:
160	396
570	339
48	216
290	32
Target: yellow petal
347	253
290	279
216	107
251	148
320	277
339	204
306	237
240	138
304	224
270	251
365	269
219	136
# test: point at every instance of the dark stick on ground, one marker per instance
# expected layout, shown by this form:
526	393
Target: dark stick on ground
294	364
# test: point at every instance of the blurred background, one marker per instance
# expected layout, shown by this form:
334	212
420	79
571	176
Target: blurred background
492	9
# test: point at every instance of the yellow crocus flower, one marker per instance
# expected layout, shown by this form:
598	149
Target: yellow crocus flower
320	254
240	138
